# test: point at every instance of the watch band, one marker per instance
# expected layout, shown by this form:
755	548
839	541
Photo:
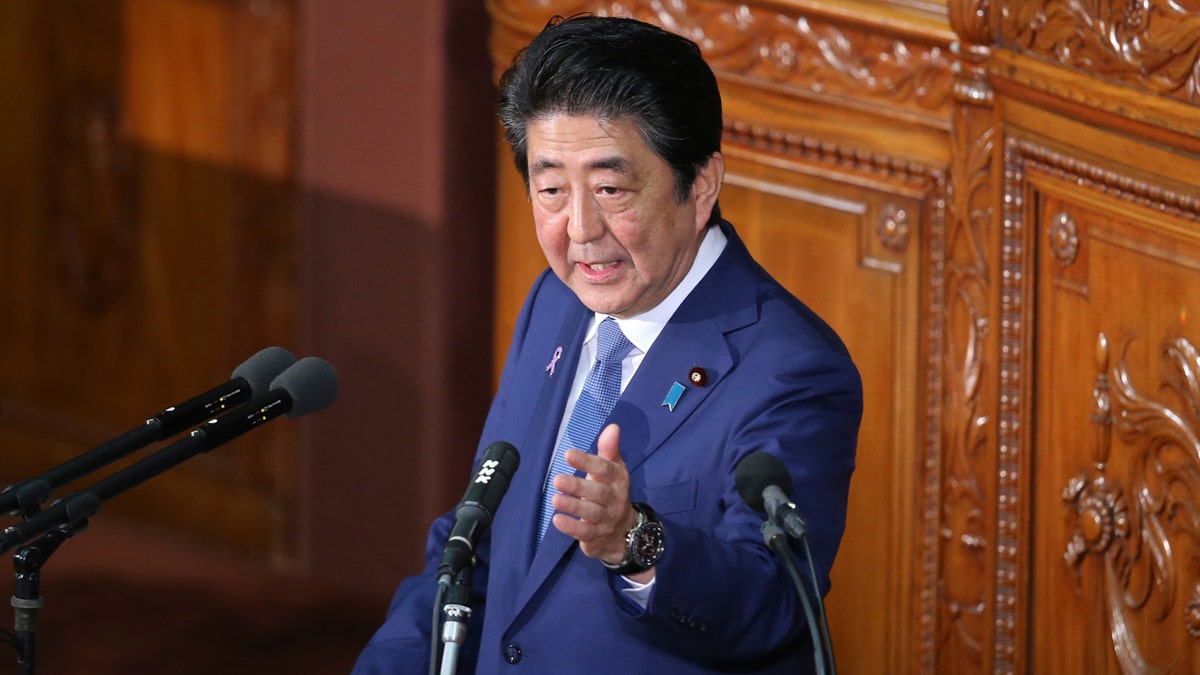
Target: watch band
644	543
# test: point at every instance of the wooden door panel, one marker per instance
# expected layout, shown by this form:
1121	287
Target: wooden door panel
1116	509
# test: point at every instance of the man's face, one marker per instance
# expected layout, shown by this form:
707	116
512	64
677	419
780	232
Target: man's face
607	214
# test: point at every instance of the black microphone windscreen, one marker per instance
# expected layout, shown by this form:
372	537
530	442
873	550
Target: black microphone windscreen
311	383
496	468
756	472
504	453
262	368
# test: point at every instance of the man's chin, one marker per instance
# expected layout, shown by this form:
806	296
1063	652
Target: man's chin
603	304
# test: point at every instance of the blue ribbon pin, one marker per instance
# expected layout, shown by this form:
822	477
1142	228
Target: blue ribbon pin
673	395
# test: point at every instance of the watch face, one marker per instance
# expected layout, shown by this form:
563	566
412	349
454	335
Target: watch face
647	545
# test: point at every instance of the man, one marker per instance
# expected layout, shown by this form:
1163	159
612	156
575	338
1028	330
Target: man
631	551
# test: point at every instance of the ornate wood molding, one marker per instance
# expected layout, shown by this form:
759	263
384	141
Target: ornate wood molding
972	22
960	605
1011	437
966	422
802	51
934	446
1152	196
1154	44
839	156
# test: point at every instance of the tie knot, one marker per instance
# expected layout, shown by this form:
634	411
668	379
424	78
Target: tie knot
612	343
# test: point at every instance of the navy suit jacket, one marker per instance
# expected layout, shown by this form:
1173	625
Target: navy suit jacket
779	380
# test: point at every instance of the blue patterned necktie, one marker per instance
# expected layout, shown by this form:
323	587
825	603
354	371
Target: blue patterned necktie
596	401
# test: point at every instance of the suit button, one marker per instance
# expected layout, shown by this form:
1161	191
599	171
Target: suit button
512	653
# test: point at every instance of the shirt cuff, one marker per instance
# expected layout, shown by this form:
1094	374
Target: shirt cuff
637	593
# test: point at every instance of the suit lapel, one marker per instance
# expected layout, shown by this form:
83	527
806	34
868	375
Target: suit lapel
538	443
645	421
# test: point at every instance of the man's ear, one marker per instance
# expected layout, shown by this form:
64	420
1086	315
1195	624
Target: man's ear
707	186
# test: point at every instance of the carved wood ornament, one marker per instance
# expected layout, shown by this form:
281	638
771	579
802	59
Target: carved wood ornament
1135	513
965	594
801	51
1149	43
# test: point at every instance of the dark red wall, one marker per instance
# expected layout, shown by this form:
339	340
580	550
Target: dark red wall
396	151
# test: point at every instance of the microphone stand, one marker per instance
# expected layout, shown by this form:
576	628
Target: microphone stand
27	599
457	610
776	540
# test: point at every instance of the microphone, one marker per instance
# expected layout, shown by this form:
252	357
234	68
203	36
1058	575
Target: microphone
764	483
306	386
478	506
253	376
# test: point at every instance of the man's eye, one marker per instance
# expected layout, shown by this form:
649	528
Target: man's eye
610	190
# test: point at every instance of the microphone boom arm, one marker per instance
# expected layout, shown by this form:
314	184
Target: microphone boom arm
79	505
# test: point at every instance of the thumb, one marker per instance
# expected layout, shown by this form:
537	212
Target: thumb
608	444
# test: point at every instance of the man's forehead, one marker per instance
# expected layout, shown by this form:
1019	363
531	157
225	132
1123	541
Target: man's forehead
586	142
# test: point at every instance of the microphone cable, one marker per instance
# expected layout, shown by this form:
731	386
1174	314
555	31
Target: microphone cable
776	540
812	570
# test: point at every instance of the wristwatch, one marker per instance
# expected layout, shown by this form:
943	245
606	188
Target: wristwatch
644	543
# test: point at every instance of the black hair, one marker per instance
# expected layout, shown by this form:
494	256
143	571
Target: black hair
617	69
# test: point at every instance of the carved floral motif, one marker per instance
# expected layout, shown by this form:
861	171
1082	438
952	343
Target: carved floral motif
794	49
1101	515
893	228
1151	43
1063	235
963	593
1141	531
1192	614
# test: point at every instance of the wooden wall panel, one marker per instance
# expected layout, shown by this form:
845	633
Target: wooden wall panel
151	245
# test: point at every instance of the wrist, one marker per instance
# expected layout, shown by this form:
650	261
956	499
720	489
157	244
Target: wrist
622	546
645	541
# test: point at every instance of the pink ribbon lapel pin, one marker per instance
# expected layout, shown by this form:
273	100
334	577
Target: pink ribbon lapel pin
554	361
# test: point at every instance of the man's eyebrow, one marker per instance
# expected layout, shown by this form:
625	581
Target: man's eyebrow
544	164
614	163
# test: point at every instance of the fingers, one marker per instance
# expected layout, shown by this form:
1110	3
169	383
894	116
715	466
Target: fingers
605	470
608	443
608	453
595	510
587	500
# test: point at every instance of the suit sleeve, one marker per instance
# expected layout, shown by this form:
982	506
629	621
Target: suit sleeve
719	590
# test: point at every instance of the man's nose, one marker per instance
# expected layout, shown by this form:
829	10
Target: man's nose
586	221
